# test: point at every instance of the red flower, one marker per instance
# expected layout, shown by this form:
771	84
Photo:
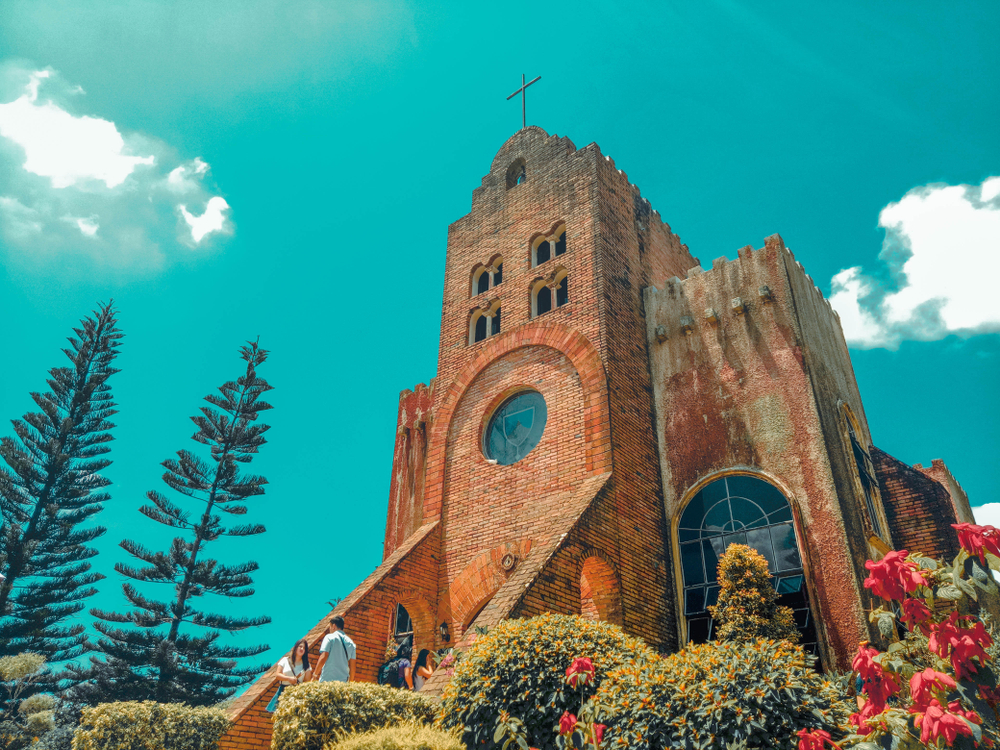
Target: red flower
599	732
894	576
925	685
949	638
567	723
860	719
934	722
813	739
978	540
990	695
877	685
916	615
580	672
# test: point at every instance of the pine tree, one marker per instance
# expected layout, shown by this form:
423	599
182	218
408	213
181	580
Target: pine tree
748	604
49	489
171	652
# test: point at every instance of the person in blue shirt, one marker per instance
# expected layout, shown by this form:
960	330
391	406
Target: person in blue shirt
336	655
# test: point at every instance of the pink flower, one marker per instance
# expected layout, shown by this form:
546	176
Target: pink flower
894	576
580	672
925	686
599	732
877	685
813	739
916	615
567	723
934	722
978	540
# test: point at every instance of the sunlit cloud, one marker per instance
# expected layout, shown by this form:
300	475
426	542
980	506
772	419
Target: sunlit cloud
76	185
940	257
212	220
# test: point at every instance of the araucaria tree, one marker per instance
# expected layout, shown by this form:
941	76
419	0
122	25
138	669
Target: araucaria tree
49	489
172	651
748	605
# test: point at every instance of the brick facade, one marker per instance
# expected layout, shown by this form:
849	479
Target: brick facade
657	375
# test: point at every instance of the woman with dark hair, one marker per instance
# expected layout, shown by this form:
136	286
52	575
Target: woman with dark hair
423	669
295	668
291	670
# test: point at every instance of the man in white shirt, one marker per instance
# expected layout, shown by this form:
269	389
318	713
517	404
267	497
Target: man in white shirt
336	655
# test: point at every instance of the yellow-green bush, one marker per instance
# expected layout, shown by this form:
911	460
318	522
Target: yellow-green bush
520	666
311	715
146	725
718	694
748	605
401	737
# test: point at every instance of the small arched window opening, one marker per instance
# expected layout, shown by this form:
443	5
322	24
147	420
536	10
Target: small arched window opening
865	472
403	626
547	294
543	251
561	241
484	322
486	277
740	509
517	173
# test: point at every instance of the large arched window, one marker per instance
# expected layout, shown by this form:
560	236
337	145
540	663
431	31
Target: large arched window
740	509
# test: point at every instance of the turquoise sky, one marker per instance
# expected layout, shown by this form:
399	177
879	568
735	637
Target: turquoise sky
344	138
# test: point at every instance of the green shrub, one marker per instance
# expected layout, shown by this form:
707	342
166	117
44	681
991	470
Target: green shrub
401	737
311	715
146	725
718	694
748	605
519	667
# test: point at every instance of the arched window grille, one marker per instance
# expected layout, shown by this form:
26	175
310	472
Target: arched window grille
740	509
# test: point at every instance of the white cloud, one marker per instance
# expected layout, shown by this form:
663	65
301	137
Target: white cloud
988	515
79	190
211	220
942	253
64	148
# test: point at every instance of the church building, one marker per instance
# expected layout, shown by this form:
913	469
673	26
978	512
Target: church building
608	415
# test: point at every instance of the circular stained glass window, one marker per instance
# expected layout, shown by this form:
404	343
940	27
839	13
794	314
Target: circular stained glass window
515	428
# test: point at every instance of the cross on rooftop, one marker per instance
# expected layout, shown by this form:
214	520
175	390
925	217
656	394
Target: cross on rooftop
524	122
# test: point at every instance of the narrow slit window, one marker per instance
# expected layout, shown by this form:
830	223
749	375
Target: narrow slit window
562	292
543	300
498	274
561	244
495	326
543	252
483	283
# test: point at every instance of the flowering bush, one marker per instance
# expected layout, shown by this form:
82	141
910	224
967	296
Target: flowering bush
933	688
315	713
146	725
513	680
718	694
748	605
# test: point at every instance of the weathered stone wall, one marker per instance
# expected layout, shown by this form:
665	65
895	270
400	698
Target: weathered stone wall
748	367
406	488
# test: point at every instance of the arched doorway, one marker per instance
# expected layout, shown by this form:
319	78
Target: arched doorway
740	509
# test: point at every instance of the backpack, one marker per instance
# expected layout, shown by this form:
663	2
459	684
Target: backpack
388	673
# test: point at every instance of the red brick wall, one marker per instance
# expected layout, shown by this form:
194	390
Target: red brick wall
406	488
919	509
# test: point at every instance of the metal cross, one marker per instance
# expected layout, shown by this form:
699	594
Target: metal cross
524	122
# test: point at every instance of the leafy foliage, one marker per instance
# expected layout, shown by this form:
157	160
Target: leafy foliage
520	667
154	659
748	605
50	488
39	715
717	694
400	737
134	725
314	714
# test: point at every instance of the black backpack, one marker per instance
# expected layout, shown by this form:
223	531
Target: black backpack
388	673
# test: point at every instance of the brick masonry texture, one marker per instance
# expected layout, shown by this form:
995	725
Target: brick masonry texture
658	376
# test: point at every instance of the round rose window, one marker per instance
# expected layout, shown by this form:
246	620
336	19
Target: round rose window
515	428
